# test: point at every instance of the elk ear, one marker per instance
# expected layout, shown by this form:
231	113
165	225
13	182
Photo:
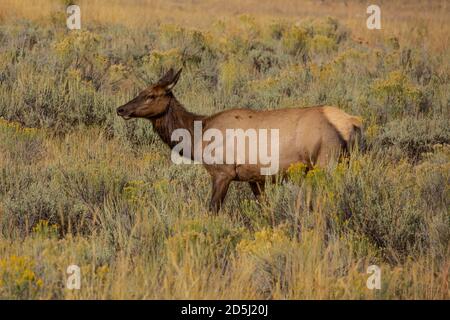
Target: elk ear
170	79
165	79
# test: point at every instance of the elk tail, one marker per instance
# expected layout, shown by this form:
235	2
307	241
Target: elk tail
356	138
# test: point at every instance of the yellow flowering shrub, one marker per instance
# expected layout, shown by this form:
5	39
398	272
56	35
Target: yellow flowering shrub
20	143
398	93
372	131
264	241
16	128
275	30
264	84
294	40
82	41
133	191
297	171
117	72
158	60
102	272
230	75
322	44
316	176
74	74
203	239
171	33
161	186
44	229
149	157
18	279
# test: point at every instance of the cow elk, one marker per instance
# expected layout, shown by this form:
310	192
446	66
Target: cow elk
313	136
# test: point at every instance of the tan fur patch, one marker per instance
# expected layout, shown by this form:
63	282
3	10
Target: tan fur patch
343	122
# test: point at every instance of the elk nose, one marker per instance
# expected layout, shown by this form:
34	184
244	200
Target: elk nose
120	111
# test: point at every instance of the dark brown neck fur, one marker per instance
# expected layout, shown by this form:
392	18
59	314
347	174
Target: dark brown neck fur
175	117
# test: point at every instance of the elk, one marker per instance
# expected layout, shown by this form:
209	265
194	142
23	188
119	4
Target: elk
315	136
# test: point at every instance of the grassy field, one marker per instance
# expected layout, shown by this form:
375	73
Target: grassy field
78	185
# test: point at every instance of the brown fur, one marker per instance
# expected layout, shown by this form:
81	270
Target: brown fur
314	135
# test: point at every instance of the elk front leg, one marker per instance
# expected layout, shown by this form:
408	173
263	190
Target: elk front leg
220	184
257	189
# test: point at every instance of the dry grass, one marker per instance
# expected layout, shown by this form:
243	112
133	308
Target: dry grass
80	186
399	17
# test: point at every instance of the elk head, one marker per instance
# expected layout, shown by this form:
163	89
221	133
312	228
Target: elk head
152	101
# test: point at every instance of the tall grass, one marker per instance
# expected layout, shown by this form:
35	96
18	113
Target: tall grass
80	186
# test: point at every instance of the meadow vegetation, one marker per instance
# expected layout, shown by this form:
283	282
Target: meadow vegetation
79	185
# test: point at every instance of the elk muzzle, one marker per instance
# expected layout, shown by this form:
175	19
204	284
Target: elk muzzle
124	112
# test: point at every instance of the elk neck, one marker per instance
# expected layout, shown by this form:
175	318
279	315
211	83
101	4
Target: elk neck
175	117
